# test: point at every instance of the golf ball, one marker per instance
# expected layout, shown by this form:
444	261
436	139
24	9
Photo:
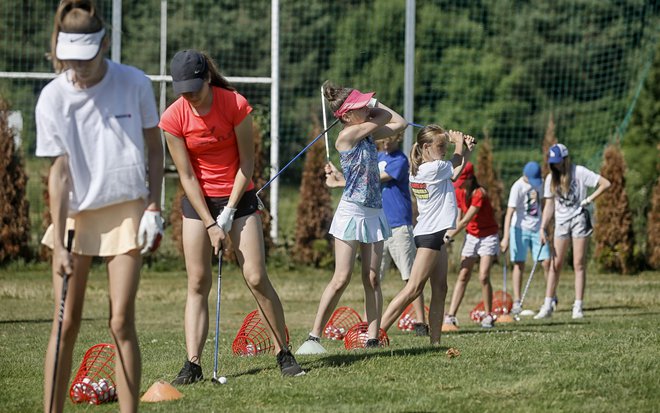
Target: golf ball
222	380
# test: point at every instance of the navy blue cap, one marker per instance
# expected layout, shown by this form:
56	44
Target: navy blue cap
189	71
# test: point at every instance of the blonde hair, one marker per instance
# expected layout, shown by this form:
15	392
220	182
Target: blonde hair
73	16
560	183
426	135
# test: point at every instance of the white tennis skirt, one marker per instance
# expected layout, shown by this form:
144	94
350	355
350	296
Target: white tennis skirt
353	222
103	232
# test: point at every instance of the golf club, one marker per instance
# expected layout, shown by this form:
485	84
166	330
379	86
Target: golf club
325	126
216	379
417	125
505	317
297	156
60	320
531	275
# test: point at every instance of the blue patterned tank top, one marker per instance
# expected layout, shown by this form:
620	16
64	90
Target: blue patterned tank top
360	167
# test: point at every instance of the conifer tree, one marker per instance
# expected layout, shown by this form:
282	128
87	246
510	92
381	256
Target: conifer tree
549	139
14	206
314	214
488	178
653	227
614	232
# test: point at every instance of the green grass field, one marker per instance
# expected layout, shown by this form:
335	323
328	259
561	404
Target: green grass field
606	363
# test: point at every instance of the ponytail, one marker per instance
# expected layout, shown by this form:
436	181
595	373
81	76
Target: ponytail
216	79
415	158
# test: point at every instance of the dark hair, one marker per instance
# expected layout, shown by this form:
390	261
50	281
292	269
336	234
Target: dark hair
426	135
216	79
473	185
335	95
73	16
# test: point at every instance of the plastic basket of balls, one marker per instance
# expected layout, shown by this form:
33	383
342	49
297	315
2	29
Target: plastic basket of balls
253	337
409	318
94	383
356	337
340	322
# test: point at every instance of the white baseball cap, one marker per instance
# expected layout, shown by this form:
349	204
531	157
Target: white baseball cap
78	46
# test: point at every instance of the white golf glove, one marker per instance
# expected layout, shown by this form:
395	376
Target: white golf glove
150	232
226	218
586	201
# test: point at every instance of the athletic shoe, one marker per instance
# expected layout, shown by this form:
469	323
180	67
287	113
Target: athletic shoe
516	309
312	338
451	320
577	312
488	321
421	330
544	312
555	301
189	374
372	343
288	364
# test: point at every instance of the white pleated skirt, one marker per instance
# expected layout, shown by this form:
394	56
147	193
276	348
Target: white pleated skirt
354	222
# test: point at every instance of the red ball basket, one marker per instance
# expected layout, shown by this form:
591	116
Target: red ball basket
501	301
253	337
94	383
341	321
409	318
357	336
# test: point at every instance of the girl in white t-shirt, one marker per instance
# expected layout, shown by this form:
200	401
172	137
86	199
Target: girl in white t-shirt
95	120
566	198
431	183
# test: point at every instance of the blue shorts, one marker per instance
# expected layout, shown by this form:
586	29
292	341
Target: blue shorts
522	241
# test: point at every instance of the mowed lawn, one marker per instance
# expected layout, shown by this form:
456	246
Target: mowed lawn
608	362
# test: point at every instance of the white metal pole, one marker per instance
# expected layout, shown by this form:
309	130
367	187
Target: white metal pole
409	75
115	54
274	113
163	84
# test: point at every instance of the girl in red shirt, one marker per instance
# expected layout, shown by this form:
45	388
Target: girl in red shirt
209	135
481	243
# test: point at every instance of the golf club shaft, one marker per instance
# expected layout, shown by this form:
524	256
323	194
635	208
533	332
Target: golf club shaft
217	317
60	321
531	275
417	125
297	156
325	126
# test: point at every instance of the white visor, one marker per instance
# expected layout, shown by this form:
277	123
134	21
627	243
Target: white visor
78	46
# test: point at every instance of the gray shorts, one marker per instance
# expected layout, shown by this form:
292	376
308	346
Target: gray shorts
576	227
481	247
400	248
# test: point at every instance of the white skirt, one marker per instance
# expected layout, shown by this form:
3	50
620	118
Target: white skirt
353	222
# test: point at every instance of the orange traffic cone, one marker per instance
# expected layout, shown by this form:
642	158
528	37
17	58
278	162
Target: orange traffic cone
161	391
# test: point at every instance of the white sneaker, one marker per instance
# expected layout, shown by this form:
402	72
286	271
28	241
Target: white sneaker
544	312
516	309
577	313
488	321
555	301
451	320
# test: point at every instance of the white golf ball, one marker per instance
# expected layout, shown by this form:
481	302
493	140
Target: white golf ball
222	380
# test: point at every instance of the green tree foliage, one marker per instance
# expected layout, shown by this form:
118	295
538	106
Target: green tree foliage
641	153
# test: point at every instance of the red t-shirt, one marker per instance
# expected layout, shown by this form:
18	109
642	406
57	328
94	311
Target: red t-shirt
483	223
210	139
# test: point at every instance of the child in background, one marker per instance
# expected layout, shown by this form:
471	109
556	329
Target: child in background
359	221
481	243
430	180
566	198
525	202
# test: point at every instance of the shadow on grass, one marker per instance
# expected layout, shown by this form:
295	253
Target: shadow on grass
42	320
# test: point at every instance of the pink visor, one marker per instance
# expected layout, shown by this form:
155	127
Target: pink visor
355	100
